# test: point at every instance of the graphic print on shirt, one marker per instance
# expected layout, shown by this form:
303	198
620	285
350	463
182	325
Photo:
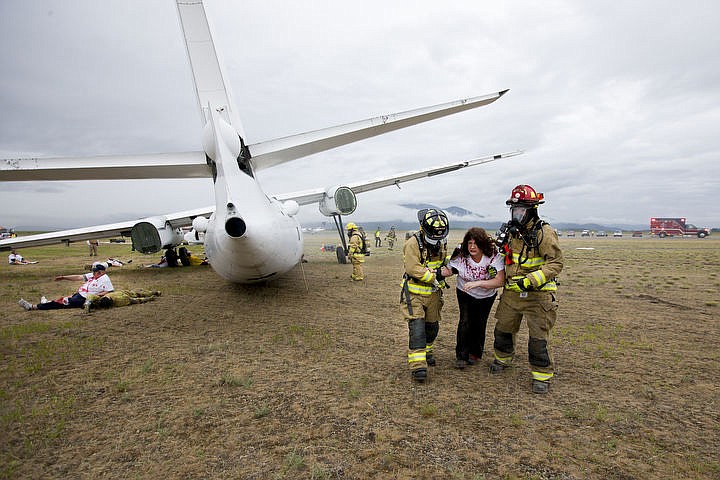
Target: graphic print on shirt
474	271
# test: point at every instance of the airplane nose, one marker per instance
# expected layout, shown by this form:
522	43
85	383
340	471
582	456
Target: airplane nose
235	227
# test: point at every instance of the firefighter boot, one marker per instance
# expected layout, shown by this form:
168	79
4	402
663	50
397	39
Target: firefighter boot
538	386
497	368
431	333
430	359
417	356
504	345
420	375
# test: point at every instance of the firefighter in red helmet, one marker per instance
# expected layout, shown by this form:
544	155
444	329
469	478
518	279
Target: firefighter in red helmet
533	260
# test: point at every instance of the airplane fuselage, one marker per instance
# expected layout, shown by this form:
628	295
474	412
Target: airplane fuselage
271	246
250	238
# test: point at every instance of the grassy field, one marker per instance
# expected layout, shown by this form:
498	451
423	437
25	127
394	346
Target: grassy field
214	380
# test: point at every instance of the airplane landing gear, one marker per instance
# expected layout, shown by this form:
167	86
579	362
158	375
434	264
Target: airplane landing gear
341	252
342	258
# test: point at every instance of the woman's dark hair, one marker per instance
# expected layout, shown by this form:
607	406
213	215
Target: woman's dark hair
482	240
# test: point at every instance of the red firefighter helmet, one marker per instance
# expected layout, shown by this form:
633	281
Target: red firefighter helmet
525	195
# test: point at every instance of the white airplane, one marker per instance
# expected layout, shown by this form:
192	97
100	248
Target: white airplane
249	236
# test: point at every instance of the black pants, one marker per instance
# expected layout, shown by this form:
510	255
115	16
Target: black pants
474	313
76	301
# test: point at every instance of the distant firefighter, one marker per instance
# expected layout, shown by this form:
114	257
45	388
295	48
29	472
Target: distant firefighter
356	251
378	241
391	237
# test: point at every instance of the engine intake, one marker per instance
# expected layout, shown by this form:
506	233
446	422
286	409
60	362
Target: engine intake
338	201
153	235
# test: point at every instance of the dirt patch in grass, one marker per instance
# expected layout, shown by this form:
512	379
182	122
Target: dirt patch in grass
215	380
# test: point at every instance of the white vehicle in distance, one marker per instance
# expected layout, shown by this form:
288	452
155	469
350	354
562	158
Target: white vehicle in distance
617	233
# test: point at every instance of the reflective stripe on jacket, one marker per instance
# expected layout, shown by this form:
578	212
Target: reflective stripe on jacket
541	264
420	272
355	245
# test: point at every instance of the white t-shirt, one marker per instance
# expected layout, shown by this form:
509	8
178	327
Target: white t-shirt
95	285
469	271
15	258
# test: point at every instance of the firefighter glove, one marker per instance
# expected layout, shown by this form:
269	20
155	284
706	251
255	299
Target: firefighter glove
524	284
438	274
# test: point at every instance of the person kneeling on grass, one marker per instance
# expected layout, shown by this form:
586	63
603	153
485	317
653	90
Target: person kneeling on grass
120	298
96	283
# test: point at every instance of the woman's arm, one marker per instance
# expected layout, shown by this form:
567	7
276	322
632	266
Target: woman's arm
75	278
494	282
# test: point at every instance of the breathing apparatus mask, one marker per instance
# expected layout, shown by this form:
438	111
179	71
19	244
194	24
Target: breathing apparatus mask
522	214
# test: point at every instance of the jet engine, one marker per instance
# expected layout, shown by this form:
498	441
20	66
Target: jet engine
338	201
199	224
154	234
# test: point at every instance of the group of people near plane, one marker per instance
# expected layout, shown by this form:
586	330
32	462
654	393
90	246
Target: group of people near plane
97	289
16	259
183	258
524	259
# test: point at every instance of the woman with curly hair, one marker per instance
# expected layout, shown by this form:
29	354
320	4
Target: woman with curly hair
480	271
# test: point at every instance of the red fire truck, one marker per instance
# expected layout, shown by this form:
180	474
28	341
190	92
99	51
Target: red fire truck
668	227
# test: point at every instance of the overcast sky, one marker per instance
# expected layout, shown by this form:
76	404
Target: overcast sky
616	104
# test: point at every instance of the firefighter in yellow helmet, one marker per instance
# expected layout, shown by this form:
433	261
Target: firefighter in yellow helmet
424	255
533	260
356	251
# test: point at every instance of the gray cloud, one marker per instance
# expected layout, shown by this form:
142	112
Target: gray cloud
615	103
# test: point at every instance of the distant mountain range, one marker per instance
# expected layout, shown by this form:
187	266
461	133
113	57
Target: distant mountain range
462	219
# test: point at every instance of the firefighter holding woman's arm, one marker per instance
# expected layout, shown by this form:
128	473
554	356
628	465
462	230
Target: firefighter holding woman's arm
533	259
424	255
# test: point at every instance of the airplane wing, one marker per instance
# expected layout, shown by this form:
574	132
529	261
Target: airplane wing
307	197
281	150
175	220
106	167
194	164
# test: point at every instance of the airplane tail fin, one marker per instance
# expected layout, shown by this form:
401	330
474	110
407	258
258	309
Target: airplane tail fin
212	91
211	87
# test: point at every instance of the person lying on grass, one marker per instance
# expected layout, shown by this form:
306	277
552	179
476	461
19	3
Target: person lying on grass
96	283
120	298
